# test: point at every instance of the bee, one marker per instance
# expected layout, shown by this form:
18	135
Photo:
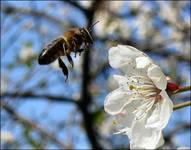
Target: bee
75	40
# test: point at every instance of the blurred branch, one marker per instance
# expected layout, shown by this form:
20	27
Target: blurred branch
99	70
75	4
25	121
26	11
86	98
171	134
178	128
42	96
168	138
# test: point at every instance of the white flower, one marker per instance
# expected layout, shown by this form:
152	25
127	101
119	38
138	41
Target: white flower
140	104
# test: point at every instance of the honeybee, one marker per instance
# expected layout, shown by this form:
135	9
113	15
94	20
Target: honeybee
75	40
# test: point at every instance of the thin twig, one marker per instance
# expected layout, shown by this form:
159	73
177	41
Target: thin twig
183	89
181	105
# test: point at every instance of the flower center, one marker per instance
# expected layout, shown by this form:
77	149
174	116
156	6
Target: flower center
143	89
143	86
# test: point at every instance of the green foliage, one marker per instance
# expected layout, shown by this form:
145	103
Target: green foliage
98	117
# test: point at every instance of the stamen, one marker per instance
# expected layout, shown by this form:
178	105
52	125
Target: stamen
142	110
146	86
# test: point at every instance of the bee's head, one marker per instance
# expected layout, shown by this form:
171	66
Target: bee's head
86	32
86	35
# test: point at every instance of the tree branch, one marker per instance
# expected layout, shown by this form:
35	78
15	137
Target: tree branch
181	105
25	11
86	98
42	96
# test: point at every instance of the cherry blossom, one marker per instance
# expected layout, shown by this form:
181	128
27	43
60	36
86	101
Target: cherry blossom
140	104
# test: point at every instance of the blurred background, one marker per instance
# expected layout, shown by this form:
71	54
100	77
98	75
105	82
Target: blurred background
40	110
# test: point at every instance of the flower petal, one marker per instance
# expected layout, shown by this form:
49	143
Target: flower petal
123	57
143	138
143	62
122	54
161	114
132	52
157	76
116	101
125	119
122	81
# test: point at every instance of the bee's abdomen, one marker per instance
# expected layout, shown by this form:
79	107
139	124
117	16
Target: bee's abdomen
46	58
51	52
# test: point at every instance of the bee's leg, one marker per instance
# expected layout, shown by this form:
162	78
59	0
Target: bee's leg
63	67
75	45
68	55
70	59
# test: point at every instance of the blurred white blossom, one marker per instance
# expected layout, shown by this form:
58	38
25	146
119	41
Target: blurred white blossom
144	25
4	82
116	6
107	26
85	3
44	29
134	5
26	53
167	12
103	17
140	104
107	126
6	137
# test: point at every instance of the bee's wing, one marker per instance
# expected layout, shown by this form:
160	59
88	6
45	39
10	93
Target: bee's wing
51	52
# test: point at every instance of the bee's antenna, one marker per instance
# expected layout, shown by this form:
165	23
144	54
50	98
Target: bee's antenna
90	28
